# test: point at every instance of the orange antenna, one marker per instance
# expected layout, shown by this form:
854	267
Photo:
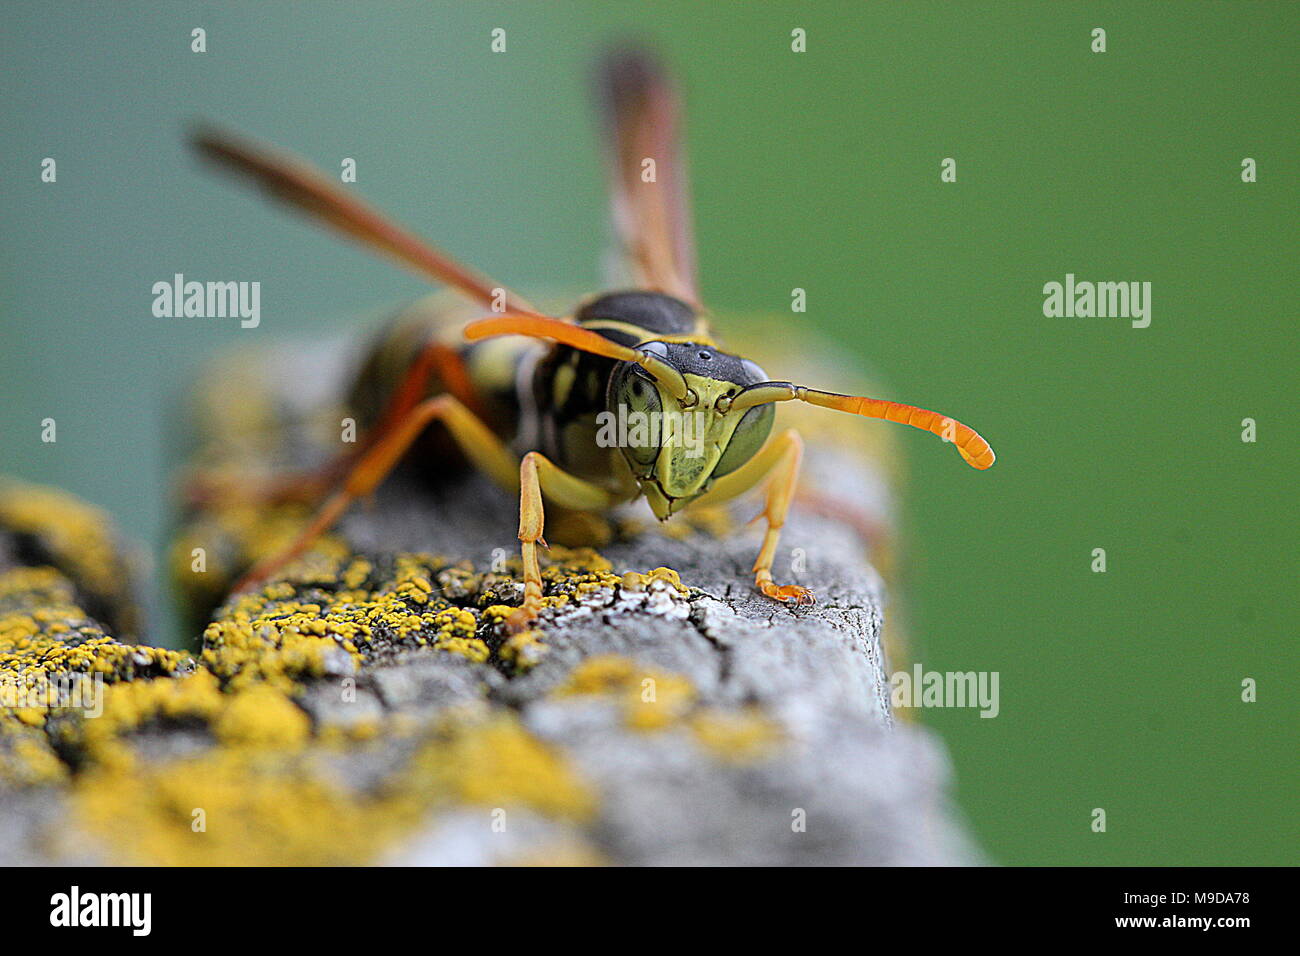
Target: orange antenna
974	449
575	336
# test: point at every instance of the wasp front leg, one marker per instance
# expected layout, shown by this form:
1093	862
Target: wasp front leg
539	476
779	463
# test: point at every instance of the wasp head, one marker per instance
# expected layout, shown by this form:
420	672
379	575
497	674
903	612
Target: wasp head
677	445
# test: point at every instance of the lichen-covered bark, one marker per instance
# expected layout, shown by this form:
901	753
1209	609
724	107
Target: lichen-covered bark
370	707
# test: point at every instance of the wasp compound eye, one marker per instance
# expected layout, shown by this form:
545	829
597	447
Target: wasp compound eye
635	400
747	439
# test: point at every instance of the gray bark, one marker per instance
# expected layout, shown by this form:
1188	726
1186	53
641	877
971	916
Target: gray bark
872	789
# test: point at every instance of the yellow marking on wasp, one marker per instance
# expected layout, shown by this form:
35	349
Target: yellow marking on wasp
562	384
700	335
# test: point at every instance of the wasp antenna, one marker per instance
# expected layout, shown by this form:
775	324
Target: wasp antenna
541	327
973	448
297	183
575	336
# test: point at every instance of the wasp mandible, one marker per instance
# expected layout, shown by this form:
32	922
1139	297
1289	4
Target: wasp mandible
526	413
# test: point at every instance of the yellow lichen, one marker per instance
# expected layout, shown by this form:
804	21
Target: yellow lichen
634	581
469	647
130	706
263	716
232	806
497	763
272	635
28	760
605	673
523	651
655	700
78	535
229	538
255	802
257	782
649	698
658	701
54	660
737	737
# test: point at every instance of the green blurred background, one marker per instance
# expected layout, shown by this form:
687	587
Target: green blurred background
819	170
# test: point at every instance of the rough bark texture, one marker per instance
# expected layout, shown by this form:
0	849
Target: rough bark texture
644	723
871	789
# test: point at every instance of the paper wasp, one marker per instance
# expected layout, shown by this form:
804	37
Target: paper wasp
526	413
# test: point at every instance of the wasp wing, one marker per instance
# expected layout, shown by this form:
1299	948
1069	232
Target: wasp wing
649	199
295	182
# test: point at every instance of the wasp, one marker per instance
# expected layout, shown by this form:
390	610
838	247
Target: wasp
521	394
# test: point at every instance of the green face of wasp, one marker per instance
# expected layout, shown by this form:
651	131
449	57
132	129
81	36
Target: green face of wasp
676	452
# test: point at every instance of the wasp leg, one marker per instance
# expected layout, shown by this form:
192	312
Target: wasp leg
538	475
779	462
204	489
480	445
435	357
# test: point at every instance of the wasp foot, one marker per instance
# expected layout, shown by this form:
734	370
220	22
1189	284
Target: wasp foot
793	594
522	618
